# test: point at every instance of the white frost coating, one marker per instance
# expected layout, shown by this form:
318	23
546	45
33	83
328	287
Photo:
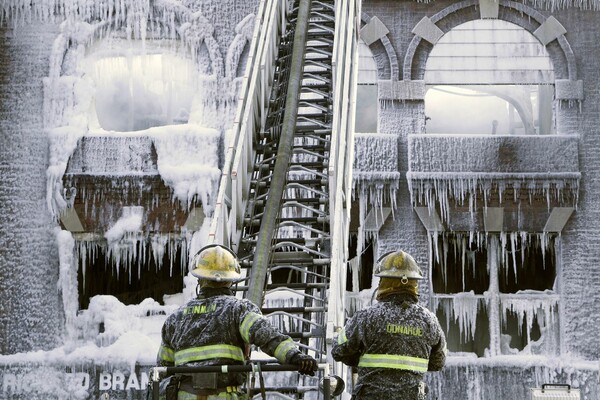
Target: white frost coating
462	307
111	333
377	187
199	31
465	312
62	143
131	250
67	279
529	306
244	30
130	222
133	15
69	99
121	240
188	161
554	5
199	238
373	191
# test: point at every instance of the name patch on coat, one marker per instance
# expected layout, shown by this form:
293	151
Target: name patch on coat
404	330
200	309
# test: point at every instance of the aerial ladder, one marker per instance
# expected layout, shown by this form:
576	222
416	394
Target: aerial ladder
284	198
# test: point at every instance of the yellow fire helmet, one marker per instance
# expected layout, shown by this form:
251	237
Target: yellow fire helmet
216	262
398	264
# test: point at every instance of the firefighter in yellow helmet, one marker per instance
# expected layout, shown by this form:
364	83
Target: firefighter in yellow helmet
216	328
396	341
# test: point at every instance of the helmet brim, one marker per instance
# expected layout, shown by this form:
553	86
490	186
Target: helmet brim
391	274
218	276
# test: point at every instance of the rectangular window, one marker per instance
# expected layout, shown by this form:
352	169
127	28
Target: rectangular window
366	109
495	293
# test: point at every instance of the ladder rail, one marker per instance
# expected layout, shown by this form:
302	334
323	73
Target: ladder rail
345	62
232	195
262	254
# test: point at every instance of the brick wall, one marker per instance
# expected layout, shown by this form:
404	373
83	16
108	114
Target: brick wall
30	310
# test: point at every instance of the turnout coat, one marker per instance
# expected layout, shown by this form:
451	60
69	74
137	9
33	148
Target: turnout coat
217	328
393	344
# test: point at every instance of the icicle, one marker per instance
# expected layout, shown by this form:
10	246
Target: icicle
464	310
67	282
528	307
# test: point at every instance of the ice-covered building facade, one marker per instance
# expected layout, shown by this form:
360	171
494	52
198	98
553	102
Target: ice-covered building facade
482	165
109	167
115	116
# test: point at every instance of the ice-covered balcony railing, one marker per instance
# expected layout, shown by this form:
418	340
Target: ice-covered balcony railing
466	169
183	158
135	193
375	174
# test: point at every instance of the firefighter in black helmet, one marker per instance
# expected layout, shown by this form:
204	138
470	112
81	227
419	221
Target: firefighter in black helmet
216	328
394	342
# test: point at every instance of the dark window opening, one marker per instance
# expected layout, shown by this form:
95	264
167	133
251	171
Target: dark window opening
514	332
141	279
460	266
528	265
365	260
286	276
459	340
523	300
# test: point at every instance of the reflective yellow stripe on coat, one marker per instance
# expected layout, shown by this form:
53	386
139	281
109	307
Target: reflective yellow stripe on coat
247	323
209	352
393	361
342	338
166	354
283	348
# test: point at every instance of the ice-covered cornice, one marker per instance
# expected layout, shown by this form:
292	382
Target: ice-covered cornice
135	13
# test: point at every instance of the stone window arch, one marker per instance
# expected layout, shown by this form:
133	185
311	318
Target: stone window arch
548	30
374	34
489	76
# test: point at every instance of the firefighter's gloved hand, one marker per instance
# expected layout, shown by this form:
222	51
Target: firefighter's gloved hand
306	364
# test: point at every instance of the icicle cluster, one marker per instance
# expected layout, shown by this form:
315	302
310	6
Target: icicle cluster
131	250
530	307
443	188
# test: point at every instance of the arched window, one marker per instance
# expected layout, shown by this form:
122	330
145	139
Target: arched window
489	77
136	89
366	94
